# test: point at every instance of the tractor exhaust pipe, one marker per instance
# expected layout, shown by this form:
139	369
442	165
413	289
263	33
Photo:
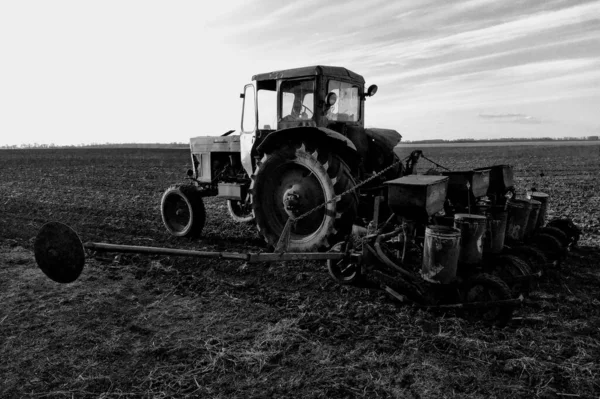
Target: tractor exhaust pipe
60	254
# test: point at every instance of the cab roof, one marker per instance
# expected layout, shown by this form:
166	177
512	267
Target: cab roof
333	71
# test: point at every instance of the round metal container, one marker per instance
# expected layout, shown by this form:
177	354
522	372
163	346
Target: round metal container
531	226
440	254
493	242
472	228
518	216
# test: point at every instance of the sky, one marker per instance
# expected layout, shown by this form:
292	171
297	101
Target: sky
80	72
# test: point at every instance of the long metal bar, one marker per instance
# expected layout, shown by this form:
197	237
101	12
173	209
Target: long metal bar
248	257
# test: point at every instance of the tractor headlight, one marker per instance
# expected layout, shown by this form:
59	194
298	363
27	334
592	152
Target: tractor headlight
331	99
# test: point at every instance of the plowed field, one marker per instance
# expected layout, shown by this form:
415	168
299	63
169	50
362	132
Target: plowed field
158	326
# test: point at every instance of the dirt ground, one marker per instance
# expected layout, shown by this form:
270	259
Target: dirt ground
157	326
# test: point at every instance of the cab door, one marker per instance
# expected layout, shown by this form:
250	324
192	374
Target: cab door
248	127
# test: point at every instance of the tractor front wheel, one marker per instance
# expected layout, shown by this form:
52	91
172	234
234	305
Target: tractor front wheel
240	212
296	178
182	210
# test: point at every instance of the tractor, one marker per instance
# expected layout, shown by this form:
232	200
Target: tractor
302	143
306	171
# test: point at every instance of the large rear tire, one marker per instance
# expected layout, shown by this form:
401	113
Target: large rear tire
295	178
182	210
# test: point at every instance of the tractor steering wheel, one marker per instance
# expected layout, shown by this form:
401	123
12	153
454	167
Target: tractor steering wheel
308	109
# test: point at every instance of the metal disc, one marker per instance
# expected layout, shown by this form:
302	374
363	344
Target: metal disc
59	252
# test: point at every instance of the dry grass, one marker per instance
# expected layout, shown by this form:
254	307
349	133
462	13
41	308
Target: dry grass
112	334
164	327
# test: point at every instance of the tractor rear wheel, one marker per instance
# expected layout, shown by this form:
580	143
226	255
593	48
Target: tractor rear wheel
294	179
182	210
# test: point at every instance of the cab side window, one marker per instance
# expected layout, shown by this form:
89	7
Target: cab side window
347	106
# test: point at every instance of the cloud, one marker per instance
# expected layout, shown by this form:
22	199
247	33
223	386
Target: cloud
503	116
510	118
527	57
133	67
412	40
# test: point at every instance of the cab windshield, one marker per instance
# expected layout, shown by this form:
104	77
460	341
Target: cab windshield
347	106
297	99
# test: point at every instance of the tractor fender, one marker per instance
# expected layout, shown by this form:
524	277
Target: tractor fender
381	149
336	141
387	138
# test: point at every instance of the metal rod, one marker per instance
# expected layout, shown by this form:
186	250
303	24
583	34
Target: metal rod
396	295
247	257
276	257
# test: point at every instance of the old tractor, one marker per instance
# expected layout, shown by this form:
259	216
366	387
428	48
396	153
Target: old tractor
302	142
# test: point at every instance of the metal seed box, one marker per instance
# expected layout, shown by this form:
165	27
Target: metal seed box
479	180
501	178
417	195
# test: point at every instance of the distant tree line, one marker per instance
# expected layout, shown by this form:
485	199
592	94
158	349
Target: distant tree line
504	139
97	145
186	145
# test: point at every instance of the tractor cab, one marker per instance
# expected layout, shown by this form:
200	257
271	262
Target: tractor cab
302	143
318	96
310	97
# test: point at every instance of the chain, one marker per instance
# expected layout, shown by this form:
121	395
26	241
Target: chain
433	162
284	237
350	190
291	222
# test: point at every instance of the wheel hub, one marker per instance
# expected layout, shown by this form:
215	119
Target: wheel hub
293	201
